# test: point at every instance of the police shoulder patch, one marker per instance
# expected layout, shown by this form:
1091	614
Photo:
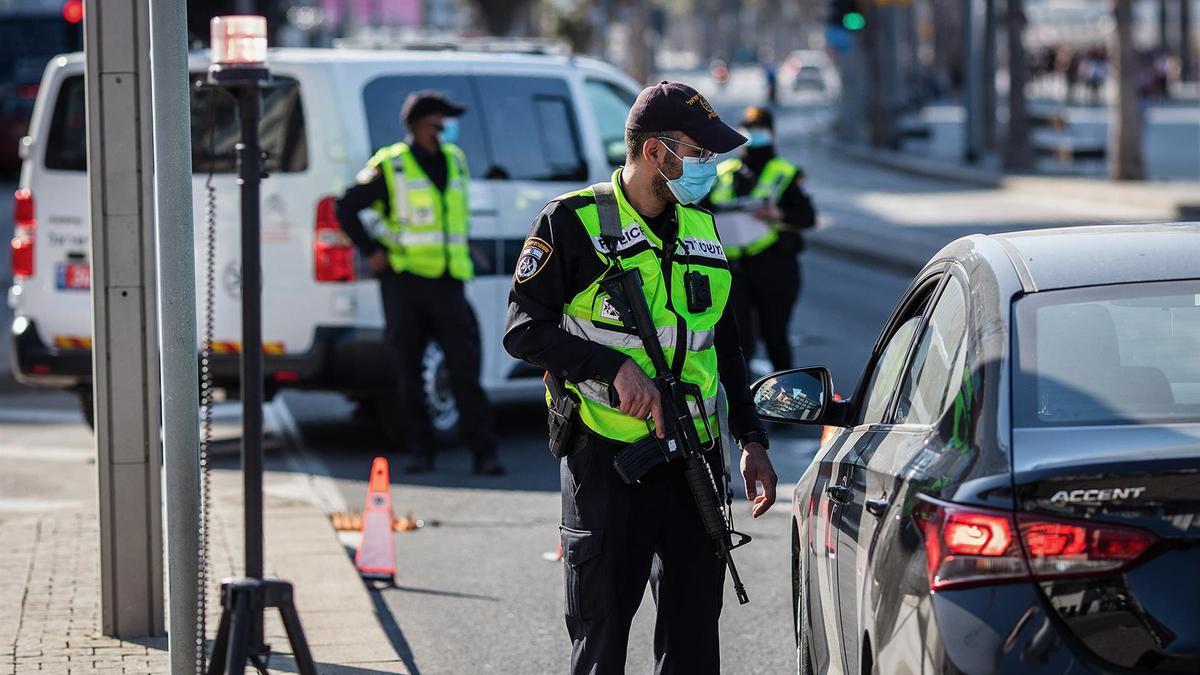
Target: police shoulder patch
534	256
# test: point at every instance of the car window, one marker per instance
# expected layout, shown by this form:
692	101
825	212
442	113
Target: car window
531	129
383	99
66	143
887	372
1123	354
935	371
282	131
610	104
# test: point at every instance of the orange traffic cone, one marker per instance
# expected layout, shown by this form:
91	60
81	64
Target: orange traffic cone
376	555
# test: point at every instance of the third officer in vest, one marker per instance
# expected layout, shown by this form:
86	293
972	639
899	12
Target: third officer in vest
761	207
617	535
418	249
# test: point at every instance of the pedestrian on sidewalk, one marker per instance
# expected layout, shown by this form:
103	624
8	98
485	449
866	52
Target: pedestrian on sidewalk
761	208
417	190
617	535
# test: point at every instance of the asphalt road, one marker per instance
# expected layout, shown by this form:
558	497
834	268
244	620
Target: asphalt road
474	593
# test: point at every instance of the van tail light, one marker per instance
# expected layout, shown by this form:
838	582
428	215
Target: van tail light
24	231
972	546
333	254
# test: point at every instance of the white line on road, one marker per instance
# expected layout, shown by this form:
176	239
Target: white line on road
33	505
310	469
49	453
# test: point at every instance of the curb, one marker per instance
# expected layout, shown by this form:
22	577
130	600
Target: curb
1177	198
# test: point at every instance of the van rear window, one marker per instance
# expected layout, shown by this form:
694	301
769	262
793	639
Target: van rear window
527	130
214	130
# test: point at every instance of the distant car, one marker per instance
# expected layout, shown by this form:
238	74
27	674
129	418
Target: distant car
537	126
1014	487
808	69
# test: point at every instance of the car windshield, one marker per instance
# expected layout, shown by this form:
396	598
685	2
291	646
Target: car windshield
1127	354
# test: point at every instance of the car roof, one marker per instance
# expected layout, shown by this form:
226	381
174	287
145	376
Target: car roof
290	56
1105	254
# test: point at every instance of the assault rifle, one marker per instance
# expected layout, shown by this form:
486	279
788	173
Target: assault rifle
681	440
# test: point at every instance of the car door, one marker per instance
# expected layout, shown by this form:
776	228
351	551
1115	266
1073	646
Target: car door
922	396
872	418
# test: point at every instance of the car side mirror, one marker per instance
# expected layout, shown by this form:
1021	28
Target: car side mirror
799	396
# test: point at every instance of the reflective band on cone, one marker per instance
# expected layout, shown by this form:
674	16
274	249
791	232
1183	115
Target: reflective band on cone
376	555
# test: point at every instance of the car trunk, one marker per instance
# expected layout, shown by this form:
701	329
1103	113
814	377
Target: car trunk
1123	488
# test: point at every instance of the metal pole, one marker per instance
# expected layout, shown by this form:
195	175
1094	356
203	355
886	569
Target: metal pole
120	153
972	85
249	177
177	322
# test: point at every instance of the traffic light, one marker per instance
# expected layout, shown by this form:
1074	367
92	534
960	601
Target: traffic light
847	15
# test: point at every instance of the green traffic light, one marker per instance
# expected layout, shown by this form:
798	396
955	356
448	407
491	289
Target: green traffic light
854	21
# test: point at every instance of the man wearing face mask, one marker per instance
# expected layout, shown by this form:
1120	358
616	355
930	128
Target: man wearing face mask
616	536
761	207
417	247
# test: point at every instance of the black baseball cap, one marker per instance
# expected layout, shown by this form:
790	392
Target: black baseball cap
758	116
428	102
674	106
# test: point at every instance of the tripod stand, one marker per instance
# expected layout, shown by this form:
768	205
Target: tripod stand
240	632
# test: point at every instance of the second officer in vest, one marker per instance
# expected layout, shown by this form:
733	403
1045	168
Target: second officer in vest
761	208
418	249
615	535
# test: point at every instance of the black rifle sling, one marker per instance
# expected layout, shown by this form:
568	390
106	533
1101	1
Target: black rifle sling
609	215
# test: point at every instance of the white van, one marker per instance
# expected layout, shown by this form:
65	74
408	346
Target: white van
536	126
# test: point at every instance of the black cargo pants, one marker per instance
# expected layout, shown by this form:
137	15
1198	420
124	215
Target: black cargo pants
615	537
415	310
764	293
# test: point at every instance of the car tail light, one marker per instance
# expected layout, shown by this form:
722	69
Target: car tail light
1057	548
24	230
333	254
970	546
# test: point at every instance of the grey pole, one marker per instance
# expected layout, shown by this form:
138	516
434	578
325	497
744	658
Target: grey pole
972	82
177	322
120	157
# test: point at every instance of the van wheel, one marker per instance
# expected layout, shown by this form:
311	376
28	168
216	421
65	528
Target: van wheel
87	406
439	397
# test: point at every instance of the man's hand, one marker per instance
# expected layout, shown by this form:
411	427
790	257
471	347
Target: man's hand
378	262
639	397
769	213
756	468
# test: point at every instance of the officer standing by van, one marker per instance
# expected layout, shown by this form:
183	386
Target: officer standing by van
418	249
761	207
616	535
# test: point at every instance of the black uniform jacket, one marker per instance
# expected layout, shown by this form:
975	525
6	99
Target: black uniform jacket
537	299
372	188
798	210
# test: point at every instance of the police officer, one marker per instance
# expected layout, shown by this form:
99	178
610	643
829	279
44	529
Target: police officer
761	207
418	249
617	536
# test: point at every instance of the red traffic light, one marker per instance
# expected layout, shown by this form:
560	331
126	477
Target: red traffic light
72	11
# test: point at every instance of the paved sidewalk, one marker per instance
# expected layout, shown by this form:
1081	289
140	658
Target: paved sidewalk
49	565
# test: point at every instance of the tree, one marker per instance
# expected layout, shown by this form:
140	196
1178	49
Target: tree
1125	138
1017	152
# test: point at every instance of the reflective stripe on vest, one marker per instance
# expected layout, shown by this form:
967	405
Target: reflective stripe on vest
425	231
744	234
687	337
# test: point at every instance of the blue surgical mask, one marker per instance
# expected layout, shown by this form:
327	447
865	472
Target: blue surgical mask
759	138
450	130
696	180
